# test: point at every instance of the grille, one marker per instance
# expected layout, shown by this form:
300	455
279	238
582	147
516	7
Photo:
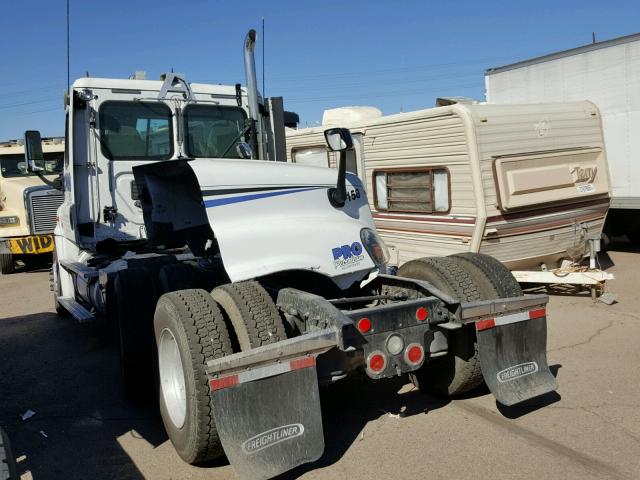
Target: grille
43	205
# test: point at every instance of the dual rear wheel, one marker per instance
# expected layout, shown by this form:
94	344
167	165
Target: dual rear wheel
467	277
191	328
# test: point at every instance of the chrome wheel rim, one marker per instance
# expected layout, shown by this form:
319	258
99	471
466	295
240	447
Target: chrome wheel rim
172	384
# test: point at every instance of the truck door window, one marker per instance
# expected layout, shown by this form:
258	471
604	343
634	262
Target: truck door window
136	131
424	190
213	131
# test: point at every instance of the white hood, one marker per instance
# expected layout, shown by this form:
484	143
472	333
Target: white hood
267	217
270	217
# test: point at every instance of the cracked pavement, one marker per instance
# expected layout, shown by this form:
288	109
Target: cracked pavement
69	375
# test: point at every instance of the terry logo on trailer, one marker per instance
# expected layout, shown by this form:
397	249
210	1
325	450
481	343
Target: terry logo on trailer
585	174
272	437
517	371
347	256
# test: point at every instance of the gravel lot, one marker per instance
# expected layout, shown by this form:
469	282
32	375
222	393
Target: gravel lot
84	426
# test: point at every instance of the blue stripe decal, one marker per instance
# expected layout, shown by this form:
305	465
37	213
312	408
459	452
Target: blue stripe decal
256	196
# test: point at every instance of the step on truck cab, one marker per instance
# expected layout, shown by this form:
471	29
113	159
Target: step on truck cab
27	204
239	283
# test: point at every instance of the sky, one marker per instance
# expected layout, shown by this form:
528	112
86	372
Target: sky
394	55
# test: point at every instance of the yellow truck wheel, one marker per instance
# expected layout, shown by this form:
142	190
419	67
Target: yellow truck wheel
6	263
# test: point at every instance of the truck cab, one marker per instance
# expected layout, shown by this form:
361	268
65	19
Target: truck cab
239	282
27	205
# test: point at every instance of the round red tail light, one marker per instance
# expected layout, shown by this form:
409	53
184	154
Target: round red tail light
364	325
376	362
414	354
421	314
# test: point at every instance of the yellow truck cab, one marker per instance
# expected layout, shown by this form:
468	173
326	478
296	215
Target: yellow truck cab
28	205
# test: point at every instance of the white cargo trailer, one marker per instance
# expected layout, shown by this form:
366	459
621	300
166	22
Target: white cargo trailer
606	73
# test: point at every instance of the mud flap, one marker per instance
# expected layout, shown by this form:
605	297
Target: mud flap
270	425
513	357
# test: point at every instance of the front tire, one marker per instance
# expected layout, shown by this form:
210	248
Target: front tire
459	370
189	331
135	301
8	469
56	286
7	265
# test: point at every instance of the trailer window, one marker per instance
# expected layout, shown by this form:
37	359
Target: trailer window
136	131
321	157
314	156
213	131
421	191
15	165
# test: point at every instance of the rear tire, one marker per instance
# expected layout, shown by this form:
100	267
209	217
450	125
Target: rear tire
7	265
8	469
135	302
252	314
487	267
459	370
190	322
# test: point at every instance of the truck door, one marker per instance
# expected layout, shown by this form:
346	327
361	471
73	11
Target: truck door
129	133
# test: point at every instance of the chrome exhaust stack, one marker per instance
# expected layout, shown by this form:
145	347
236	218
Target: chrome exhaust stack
252	92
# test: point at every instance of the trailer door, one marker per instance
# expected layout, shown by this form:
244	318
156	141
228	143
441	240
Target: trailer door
531	179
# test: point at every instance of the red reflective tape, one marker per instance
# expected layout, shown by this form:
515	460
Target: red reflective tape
303	362
223	382
533	314
485	324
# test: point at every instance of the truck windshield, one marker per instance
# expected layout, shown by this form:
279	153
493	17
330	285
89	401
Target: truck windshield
15	166
136	131
213	131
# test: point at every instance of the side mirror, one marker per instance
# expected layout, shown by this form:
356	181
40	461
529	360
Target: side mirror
244	150
338	139
33	151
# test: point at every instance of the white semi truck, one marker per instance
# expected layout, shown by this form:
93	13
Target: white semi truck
238	284
606	73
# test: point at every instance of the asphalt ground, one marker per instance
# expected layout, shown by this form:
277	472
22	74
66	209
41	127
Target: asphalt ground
85	427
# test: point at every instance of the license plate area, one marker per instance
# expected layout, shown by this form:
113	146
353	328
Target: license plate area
396	336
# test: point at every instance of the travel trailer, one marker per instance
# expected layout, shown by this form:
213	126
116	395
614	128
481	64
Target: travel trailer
526	184
606	73
27	205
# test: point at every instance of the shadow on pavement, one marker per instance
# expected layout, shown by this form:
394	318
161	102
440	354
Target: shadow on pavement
69	374
348	406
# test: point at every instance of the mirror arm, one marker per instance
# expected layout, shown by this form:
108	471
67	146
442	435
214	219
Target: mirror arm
338	195
56	183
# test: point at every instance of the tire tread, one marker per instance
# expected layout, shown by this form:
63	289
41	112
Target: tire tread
208	340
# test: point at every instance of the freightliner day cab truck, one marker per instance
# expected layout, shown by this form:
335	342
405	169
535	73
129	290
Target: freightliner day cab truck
240	283
27	207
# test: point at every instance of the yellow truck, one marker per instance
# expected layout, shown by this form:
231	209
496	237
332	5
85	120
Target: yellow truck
28	205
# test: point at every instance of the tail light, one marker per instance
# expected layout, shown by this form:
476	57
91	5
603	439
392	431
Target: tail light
414	354
364	325
421	314
376	361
